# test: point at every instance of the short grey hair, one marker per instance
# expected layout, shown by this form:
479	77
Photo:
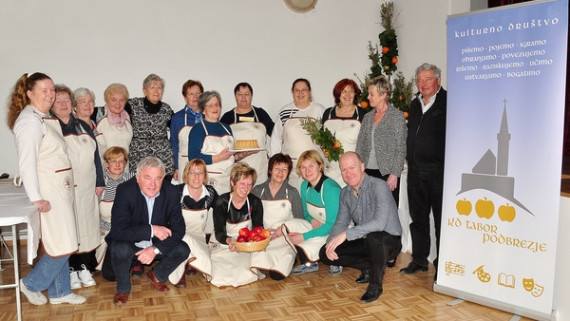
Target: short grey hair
426	66
82	92
151	162
205	97
152	78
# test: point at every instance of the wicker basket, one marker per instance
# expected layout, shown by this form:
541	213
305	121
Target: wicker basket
252	246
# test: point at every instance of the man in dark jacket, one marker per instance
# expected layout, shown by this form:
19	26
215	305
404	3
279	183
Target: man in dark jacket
146	224
425	154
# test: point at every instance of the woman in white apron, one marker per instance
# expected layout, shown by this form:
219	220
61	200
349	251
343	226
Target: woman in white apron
281	204
232	212
288	136
115	159
250	123
320	197
48	180
197	199
83	154
181	124
83	107
115	126
343	120
212	141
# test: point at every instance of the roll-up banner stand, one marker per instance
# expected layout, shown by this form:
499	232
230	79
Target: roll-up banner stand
505	124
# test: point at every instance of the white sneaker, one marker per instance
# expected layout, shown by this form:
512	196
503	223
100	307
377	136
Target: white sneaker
74	279
85	277
71	298
35	298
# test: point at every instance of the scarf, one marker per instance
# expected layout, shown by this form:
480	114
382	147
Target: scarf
117	121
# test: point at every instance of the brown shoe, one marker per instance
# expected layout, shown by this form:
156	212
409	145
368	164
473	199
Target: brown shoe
159	286
190	270
121	298
182	283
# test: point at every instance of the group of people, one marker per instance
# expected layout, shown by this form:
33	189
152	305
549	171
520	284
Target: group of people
121	186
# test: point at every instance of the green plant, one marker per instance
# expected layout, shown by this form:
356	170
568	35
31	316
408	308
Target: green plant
331	147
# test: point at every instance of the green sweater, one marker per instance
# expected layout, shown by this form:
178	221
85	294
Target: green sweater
327	190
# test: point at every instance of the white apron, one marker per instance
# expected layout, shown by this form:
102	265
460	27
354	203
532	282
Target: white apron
55	176
231	268
246	130
280	254
114	136
195	237
105	214
346	131
80	150
183	134
295	142
218	173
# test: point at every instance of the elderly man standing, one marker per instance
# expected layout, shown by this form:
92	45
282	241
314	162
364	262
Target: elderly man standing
426	153
146	224
375	238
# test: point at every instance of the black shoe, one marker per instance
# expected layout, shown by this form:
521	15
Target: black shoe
137	271
364	277
372	294
392	263
413	268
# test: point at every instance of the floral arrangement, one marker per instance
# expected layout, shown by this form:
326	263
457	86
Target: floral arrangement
384	62
388	39
331	147
402	93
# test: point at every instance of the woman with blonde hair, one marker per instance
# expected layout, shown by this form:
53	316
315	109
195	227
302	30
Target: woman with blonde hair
320	197
196	198
232	212
115	124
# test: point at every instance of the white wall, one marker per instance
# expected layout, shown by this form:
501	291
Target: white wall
94	43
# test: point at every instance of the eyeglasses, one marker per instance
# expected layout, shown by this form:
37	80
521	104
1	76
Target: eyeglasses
199	173
116	161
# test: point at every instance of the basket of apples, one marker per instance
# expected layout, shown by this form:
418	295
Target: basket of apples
254	240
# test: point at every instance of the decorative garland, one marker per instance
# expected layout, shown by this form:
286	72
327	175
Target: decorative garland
384	63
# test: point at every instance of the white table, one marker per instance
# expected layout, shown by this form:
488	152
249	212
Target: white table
15	208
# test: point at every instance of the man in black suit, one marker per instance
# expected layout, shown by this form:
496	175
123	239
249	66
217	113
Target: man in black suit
146	224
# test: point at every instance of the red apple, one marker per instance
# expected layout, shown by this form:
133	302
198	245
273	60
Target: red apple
242	239
244	232
258	229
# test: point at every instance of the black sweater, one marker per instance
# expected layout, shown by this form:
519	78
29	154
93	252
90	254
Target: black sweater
426	134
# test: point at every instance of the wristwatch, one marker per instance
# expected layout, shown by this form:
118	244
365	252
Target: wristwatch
156	250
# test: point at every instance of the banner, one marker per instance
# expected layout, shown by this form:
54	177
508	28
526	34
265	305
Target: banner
505	121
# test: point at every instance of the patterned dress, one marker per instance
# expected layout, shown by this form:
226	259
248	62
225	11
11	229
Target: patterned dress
150	127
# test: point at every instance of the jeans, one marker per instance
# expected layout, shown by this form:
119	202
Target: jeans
368	253
51	273
122	254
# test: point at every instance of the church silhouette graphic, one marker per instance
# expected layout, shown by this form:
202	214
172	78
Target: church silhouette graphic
490	173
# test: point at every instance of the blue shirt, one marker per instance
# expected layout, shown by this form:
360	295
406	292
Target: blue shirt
185	116
198	134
